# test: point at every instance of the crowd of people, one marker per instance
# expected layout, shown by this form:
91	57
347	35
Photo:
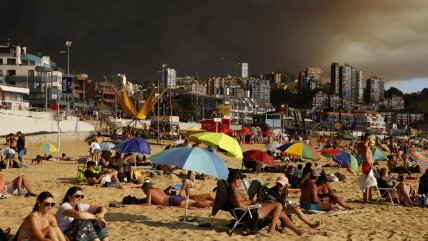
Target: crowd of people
75	220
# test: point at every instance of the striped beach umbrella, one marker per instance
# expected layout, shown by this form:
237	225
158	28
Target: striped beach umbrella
419	155
301	150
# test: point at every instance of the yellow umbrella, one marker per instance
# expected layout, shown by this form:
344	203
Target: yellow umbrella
193	128
222	142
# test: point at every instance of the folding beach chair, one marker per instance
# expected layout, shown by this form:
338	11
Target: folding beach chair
243	218
81	167
387	191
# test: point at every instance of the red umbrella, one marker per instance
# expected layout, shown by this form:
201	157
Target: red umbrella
245	131
260	156
323	139
330	152
268	132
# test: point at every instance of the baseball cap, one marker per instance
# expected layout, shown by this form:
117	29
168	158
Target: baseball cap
315	173
282	180
235	174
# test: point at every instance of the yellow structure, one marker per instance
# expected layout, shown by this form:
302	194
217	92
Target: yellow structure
129	108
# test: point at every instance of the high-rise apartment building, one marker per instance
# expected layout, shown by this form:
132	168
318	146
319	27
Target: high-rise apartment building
312	78
374	90
244	70
335	77
345	82
169	78
350	83
360	86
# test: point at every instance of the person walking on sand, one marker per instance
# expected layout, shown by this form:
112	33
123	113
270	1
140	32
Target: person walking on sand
366	179
21	146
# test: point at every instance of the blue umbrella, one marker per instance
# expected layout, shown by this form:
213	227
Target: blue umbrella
106	146
194	159
133	145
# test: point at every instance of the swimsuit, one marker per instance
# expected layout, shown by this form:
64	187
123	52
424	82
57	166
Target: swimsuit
366	168
176	200
311	206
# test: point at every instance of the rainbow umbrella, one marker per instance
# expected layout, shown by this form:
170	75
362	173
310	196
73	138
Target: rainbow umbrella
48	147
419	155
301	150
347	160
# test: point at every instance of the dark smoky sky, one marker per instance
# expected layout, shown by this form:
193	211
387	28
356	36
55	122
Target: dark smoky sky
384	38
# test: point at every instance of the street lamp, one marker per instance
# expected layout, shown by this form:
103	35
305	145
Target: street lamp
68	45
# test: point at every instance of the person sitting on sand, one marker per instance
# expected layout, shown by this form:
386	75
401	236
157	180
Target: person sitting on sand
41	223
410	165
273	210
94	178
188	186
279	193
326	194
15	186
159	197
7	155
80	221
306	172
423	183
309	199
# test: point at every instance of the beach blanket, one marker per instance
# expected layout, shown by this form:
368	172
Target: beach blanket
365	181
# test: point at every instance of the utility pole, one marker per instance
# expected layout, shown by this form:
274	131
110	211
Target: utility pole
68	45
158	113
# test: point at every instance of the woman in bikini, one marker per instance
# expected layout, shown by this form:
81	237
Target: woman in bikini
41	224
188	187
326	194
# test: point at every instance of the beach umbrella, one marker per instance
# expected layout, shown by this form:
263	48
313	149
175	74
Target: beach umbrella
245	131
194	159
260	156
268	132
323	139
48	147
222	142
329	153
106	146
384	147
133	145
301	150
378	154
419	155
347	160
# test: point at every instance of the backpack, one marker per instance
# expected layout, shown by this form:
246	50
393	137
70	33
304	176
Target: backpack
171	191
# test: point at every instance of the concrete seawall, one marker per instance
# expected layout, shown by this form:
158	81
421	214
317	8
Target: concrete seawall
32	122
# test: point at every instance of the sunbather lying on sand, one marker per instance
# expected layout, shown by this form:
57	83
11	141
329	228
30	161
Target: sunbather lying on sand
159	197
15	186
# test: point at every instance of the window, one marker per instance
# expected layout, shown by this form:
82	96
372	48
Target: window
11	61
30	72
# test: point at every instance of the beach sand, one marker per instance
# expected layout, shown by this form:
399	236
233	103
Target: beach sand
366	222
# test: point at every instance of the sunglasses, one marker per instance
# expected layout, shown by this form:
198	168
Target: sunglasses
79	196
49	204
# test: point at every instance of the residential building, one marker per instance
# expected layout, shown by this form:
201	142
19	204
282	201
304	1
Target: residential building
215	86
359	85
335	102
393	103
347	83
311	79
369	121
335	79
320	101
244	70
169	78
259	89
374	90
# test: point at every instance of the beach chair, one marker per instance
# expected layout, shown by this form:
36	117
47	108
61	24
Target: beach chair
243	218
255	187
387	191
81	167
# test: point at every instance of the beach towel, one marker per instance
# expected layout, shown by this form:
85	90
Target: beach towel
365	181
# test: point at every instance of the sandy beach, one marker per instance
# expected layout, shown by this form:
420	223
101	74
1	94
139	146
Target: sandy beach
378	221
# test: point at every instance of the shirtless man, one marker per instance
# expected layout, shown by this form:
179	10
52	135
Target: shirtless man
368	162
159	197
272	210
309	199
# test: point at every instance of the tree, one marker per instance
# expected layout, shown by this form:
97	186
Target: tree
393	91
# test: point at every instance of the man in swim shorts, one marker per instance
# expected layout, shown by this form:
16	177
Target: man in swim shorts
309	199
366	154
159	197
